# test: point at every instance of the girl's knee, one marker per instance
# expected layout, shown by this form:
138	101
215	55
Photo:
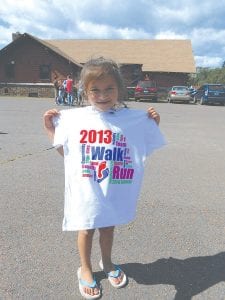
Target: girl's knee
106	230
86	233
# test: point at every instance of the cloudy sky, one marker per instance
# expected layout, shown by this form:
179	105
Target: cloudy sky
203	22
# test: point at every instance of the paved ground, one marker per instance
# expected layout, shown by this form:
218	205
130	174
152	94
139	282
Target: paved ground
175	249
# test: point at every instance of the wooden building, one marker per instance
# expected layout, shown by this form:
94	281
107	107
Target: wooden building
33	62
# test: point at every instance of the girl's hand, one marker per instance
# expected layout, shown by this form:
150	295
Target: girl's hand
48	124
152	113
48	115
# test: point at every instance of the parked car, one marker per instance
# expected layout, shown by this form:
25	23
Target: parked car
179	94
146	90
210	94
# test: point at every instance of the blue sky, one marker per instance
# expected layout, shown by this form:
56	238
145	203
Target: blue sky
200	21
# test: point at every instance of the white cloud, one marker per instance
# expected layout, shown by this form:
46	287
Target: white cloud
202	35
208	62
170	35
91	30
94	30
129	33
175	13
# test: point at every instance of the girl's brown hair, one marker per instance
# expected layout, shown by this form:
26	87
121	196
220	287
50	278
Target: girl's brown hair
96	68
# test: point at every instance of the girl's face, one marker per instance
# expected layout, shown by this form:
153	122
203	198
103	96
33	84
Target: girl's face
103	93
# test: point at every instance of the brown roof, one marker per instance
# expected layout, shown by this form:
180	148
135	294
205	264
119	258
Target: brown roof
154	55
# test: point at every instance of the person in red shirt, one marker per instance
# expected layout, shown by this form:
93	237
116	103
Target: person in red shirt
69	89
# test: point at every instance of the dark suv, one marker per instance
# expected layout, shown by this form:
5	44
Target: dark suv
146	89
210	93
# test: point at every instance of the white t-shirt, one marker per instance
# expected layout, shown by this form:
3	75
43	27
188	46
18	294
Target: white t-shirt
104	154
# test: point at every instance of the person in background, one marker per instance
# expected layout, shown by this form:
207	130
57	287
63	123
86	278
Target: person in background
147	77
56	87
79	93
61	93
69	90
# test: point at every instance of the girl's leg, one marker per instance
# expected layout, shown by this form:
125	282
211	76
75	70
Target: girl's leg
106	243
85	238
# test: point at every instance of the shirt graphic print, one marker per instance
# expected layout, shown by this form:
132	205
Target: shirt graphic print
110	158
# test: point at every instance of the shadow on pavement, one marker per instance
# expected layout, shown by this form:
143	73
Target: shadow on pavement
189	276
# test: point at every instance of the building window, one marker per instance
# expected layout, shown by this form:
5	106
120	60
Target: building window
10	70
45	72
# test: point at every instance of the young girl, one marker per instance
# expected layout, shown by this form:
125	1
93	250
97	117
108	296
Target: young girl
104	147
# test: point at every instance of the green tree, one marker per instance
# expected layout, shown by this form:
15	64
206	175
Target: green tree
206	75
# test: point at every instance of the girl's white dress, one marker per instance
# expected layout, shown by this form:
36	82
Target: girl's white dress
104	154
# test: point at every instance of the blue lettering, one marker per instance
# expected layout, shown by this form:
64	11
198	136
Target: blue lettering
97	153
100	153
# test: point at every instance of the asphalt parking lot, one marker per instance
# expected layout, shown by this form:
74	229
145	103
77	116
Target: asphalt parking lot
175	249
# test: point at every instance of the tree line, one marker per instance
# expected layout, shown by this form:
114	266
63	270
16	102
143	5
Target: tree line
208	75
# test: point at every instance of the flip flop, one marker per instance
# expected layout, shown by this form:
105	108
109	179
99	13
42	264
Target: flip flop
114	274
92	285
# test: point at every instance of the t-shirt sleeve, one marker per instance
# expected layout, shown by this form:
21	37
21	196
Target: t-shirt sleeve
153	136
60	130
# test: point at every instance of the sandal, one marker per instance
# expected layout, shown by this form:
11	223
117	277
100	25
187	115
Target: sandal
83	283
114	274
